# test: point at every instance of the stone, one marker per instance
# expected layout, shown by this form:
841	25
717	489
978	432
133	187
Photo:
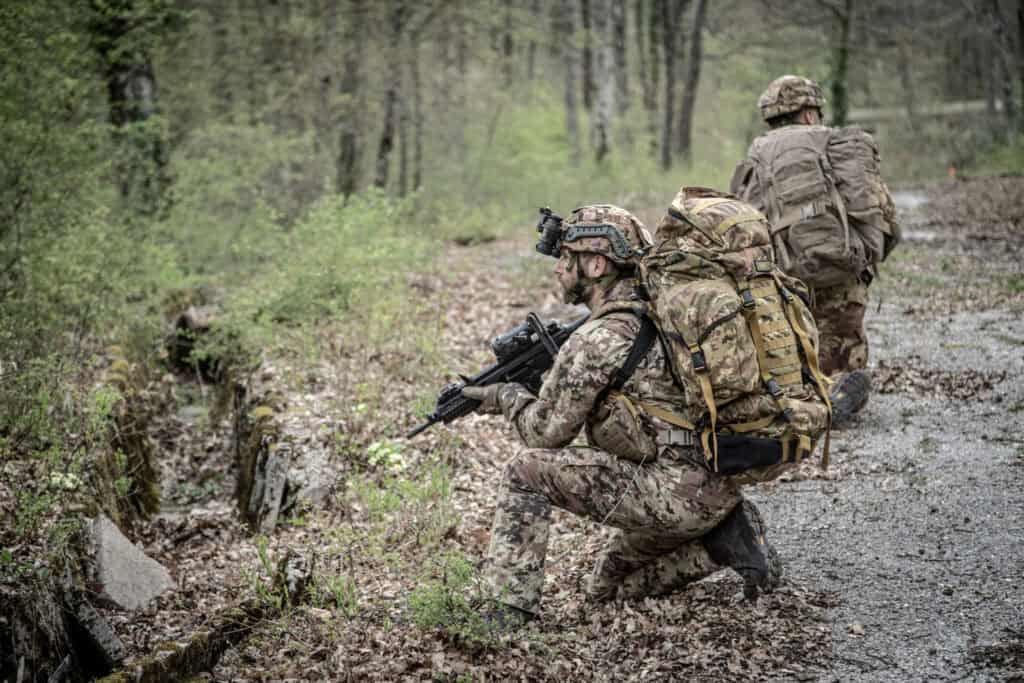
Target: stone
126	577
96	645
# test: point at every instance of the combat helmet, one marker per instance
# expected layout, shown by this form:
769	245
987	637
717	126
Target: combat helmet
788	94
602	229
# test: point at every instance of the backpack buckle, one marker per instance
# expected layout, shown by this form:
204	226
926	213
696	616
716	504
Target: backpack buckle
700	363
748	299
773	388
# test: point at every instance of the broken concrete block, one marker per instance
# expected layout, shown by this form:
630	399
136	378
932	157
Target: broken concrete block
126	577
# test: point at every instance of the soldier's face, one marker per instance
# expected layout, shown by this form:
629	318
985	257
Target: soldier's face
568	275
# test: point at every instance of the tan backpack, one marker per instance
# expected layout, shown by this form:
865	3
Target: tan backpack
831	214
742	342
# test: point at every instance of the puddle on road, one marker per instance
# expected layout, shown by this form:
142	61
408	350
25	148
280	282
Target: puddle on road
909	200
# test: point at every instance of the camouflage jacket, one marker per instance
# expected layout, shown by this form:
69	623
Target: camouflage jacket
572	394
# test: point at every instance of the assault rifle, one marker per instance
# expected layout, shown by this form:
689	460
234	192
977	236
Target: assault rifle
524	354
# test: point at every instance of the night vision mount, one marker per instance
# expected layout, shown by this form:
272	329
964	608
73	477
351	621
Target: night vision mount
550	226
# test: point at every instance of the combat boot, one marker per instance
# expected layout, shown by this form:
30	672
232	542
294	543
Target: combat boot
739	543
849	396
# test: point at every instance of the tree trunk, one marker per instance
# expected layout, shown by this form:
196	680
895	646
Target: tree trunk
589	87
604	63
351	89
1004	52
620	53
324	73
569	57
461	100
403	145
907	86
990	84
141	165
531	50
387	135
507	47
641	52
417	118
840	67
654	44
1020	50
679	68
670	12
689	102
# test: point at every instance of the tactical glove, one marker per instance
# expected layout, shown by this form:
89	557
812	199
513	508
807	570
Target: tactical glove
488	397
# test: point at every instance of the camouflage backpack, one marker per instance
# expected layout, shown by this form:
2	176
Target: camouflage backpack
741	339
831	214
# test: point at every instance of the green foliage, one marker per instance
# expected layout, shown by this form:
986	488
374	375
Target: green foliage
449	596
343	593
261	579
386	455
1007	158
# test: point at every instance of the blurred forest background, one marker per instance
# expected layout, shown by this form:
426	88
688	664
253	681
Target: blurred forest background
288	158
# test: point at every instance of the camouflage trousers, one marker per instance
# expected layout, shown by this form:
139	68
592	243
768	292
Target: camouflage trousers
659	512
839	313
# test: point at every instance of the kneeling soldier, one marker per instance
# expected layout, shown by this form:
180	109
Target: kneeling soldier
675	520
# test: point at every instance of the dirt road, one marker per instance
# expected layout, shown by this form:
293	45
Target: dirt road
921	536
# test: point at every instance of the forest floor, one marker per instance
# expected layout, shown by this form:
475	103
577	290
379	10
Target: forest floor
903	562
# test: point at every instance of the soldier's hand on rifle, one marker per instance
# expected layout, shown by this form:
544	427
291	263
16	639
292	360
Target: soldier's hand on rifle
488	397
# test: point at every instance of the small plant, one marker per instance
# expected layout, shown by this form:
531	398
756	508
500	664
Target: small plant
385	454
344	594
449	598
261	580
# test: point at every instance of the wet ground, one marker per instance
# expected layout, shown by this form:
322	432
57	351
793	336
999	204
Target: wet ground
922	534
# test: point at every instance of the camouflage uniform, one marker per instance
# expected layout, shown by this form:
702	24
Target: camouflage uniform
838	308
839	312
660	506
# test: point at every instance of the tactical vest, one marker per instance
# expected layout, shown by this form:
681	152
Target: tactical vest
740	338
831	214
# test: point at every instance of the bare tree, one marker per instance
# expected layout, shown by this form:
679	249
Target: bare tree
670	12
604	77
531	49
570	59
652	28
840	63
351	90
621	52
507	47
1004	56
589	86
396	22
689	101
1020	50
417	117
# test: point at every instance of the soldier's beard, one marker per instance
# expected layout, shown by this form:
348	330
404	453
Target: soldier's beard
577	294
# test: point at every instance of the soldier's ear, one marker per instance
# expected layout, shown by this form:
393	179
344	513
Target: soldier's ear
600	265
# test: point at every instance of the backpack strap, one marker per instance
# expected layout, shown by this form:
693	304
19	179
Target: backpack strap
811	356
641	345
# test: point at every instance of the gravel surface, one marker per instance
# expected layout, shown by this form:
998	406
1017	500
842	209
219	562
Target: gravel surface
921	535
